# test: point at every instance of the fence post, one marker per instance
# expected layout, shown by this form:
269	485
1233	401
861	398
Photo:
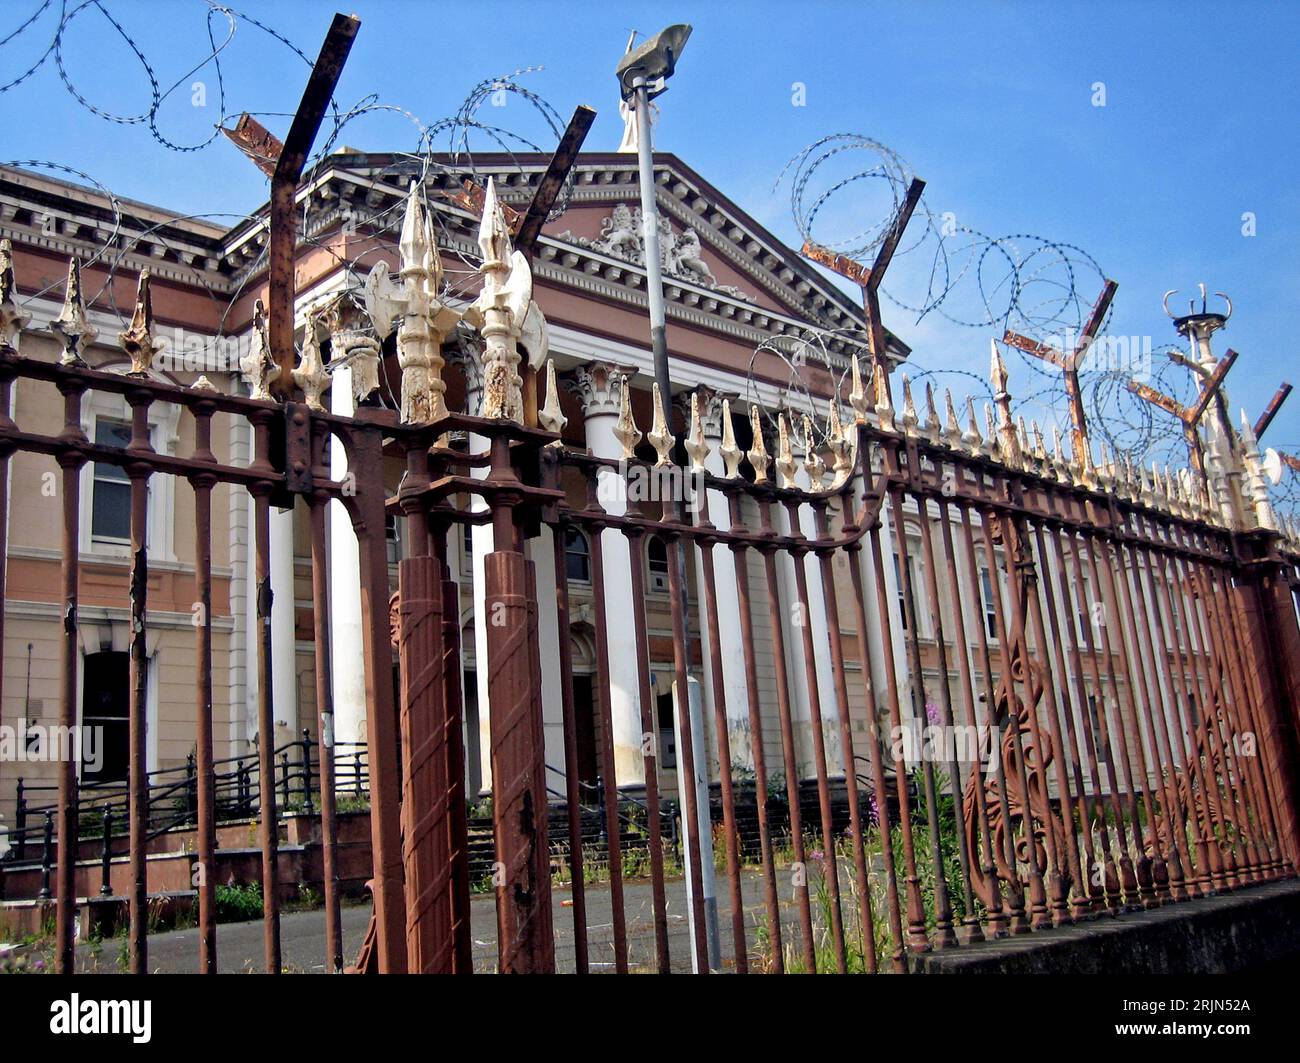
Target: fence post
600	811
425	827
191	786
106	854
20	821
525	940
284	783
1264	602
366	510
47	856
306	772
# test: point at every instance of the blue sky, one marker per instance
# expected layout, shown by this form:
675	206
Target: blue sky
992	103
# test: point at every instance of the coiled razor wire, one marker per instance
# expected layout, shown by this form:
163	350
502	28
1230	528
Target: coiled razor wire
1039	287
456	136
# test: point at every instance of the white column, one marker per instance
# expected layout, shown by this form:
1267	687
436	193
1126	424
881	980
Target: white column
730	646
347	661
468	356
821	635
541	551
597	385
284	656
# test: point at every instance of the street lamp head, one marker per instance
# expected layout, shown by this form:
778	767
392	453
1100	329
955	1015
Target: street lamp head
654	61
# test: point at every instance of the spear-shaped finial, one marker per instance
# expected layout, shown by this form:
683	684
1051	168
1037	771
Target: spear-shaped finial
758	456
260	369
138	340
660	438
840	446
997	370
931	427
504	313
951	429
696	447
884	404
72	325
785	463
732	455
907	419
857	394
13	319
813	464
971	437
625	429
1058	460
311	374
550	416
992	443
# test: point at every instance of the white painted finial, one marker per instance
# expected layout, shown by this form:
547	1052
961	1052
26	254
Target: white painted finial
758	456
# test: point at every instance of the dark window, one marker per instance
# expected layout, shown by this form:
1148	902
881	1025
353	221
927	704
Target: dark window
914	583
990	609
1087	632
667	735
393	538
657	555
577	556
587	734
105	707
902	596
110	519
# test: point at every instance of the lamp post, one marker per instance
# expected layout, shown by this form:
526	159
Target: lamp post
643	74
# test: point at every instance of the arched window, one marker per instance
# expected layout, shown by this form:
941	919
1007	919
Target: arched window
657	559
577	556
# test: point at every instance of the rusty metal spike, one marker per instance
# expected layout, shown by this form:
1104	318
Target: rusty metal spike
971	437
857	394
931	427
72	325
907	419
260	369
311	374
951	429
13	319
138	340
884	404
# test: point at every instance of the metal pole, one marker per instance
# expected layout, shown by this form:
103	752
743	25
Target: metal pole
659	349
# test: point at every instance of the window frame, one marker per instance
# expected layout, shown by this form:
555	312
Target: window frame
585	554
652	585
160	524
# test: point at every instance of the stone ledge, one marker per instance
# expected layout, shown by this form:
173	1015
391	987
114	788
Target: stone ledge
1211	935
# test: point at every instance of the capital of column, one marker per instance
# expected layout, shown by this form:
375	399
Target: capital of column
464	350
711	400
597	386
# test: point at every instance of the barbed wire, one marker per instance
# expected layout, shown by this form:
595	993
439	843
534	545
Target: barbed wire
445	146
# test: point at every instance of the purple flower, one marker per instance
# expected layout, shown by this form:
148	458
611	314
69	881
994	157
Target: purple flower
932	713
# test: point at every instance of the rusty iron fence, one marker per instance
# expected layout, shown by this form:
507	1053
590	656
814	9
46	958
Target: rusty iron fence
1124	666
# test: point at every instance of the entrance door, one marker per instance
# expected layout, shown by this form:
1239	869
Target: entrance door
106	707
588	733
